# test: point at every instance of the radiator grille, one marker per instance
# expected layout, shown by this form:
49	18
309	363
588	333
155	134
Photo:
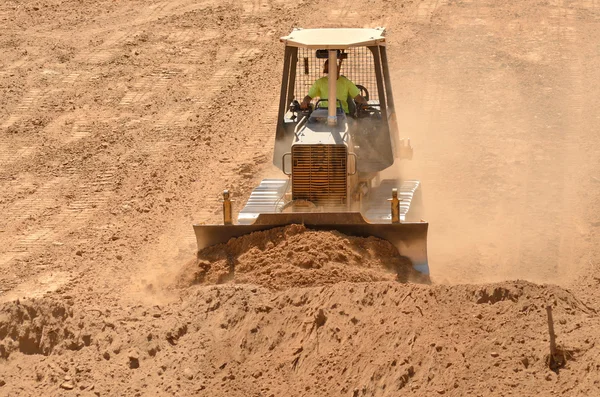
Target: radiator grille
319	173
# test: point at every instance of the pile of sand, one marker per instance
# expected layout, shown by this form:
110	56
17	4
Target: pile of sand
294	256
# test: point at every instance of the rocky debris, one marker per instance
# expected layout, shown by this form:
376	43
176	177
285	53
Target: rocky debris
320	318
188	373
67	385
134	359
38	326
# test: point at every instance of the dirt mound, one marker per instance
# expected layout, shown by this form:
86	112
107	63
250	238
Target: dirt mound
39	326
294	256
384	338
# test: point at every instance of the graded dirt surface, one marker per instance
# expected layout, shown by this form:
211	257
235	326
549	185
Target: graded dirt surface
122	122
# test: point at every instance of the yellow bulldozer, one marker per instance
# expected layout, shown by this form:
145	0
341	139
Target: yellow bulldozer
332	153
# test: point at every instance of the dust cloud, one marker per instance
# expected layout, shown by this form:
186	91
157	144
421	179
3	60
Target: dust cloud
500	162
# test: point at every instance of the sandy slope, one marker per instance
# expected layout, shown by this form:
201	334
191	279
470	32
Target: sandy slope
381	338
120	123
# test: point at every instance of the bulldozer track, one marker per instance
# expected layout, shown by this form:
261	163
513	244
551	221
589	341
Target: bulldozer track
160	147
86	201
185	35
164	9
107	50
36	203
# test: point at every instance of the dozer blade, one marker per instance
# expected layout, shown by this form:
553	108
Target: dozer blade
409	238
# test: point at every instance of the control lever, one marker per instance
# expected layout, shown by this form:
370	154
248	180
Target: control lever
295	108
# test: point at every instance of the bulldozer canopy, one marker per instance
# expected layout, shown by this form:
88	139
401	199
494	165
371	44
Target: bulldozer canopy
334	38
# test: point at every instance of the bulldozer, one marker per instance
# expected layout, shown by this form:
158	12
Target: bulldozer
331	159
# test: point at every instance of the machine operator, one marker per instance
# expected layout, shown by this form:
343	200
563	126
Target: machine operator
345	88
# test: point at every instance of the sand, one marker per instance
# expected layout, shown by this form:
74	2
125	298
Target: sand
121	122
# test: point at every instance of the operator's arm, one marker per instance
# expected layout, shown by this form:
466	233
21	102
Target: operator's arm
305	102
359	99
354	91
313	92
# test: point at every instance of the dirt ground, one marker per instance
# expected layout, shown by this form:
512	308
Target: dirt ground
122	121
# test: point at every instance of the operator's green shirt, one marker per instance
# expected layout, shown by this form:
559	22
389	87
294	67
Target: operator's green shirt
344	88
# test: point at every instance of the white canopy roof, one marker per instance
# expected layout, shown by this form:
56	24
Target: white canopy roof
334	38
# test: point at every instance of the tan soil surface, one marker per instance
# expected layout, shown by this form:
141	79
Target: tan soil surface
122	121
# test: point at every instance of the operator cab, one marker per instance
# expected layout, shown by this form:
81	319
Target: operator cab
361	57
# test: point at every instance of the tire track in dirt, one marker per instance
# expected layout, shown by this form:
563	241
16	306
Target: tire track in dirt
71	78
344	15
86	198
256	7
200	92
36	102
192	44
107	51
427	8
29	100
145	87
208	94
256	32
223	76
35	204
177	117
81	130
31	208
89	197
9	155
